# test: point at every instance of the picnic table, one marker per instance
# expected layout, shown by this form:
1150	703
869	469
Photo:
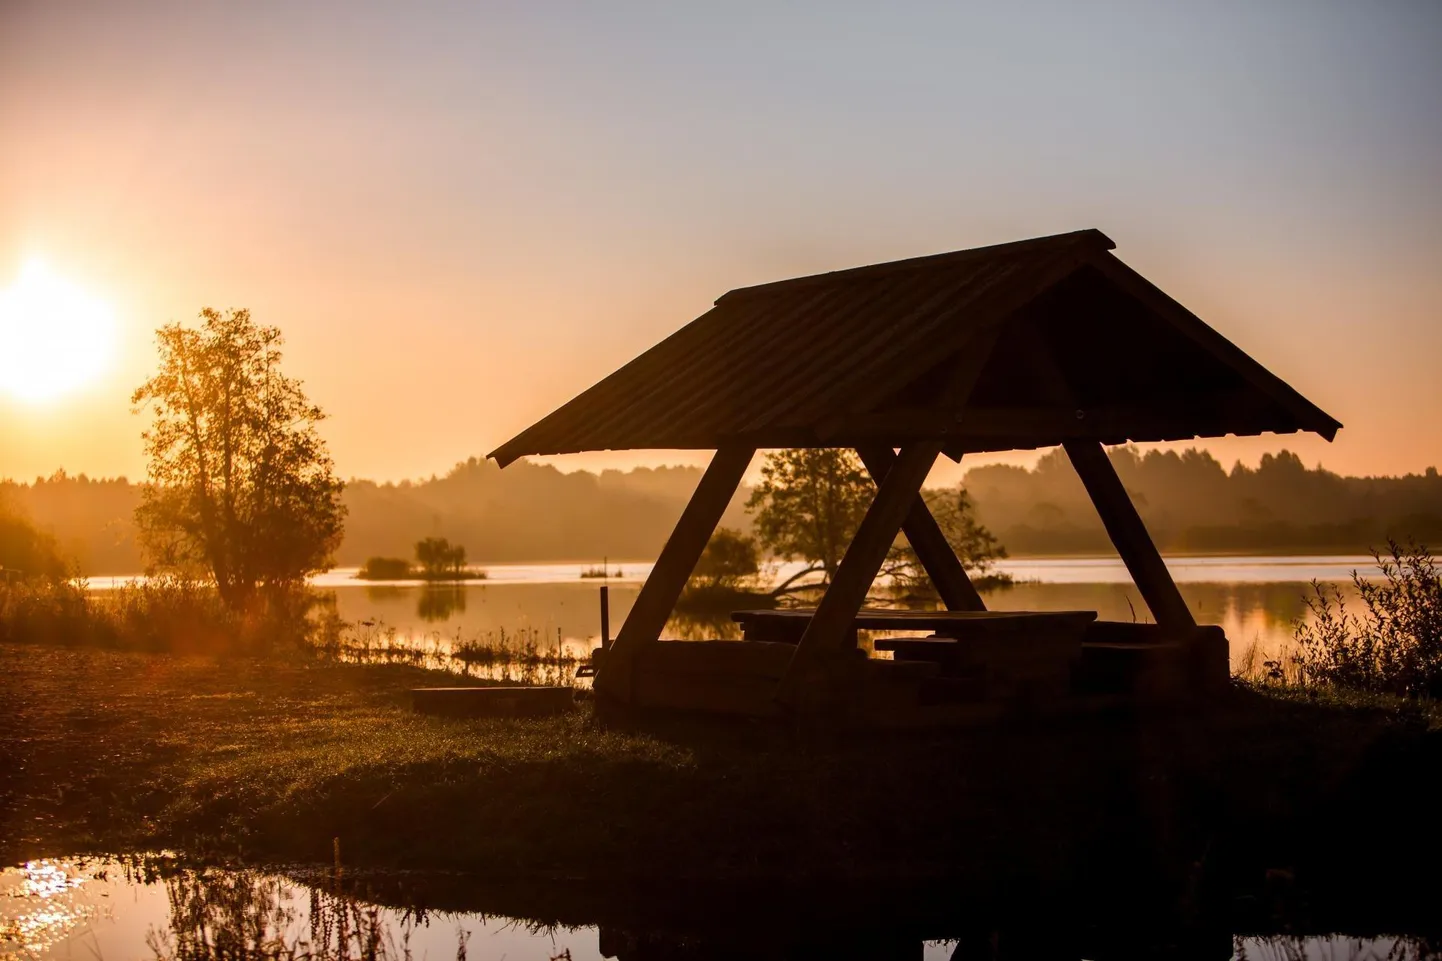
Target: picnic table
788	624
974	656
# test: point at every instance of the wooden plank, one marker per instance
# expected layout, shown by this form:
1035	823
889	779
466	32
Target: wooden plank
753	658
928	540
513	701
1127	532
1213	415
668	578
829	628
736	694
1309	416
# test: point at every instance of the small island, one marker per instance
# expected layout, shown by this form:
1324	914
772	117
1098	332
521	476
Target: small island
437	559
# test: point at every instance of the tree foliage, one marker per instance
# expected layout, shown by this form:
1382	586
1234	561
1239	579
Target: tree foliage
439	558
975	546
241	487
730	561
25	551
808	505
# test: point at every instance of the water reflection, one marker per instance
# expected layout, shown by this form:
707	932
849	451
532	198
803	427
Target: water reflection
440	618
242	914
440	602
1256	600
161	908
703	624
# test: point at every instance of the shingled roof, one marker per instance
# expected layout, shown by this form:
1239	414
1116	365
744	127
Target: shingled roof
1078	345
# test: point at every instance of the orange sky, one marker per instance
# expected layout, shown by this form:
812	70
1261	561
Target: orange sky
462	219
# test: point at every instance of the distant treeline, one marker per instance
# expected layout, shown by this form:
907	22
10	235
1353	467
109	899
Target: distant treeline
528	512
1192	504
533	512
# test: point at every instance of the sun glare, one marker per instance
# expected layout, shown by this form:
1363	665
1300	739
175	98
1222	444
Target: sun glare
54	338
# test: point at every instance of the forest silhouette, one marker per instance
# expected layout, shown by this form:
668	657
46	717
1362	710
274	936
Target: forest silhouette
535	512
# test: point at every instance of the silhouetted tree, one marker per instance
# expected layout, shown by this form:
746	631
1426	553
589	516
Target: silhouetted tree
440	558
25	551
241	486
808	506
810	502
975	546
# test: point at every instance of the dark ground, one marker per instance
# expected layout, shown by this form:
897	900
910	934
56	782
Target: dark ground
1266	799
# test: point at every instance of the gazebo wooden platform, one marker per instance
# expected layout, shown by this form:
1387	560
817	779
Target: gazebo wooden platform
1044	342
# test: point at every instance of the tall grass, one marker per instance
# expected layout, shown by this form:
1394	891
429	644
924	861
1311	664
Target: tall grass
1393	644
165	613
175	615
528	655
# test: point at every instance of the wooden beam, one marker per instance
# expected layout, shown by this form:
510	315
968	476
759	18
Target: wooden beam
928	540
830	627
1118	514
668	578
1124	527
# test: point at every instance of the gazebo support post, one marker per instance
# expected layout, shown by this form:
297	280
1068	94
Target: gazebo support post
1124	527
925	535
827	631
668	578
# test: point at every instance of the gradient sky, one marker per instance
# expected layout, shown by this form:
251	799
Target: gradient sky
463	214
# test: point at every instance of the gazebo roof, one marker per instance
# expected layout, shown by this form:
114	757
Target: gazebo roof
1078	346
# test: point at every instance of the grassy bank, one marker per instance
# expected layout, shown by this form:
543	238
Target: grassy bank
107	751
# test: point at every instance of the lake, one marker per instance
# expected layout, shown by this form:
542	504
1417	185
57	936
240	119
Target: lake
1256	600
119	910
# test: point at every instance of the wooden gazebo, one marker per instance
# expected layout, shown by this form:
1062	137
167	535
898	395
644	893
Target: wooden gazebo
1044	342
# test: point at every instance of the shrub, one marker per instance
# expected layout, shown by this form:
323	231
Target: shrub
385	569
1395	645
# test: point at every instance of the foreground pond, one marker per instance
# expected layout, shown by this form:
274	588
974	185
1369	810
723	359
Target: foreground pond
156	908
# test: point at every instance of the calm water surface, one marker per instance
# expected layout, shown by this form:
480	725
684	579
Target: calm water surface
1257	600
104	910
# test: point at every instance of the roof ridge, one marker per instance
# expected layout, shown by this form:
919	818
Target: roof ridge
867	271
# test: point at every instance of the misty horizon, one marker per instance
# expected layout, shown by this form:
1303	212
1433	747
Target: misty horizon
534	512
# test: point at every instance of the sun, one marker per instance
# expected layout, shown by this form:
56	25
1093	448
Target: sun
54	338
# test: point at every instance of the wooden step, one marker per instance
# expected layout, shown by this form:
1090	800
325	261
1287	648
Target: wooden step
497	701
